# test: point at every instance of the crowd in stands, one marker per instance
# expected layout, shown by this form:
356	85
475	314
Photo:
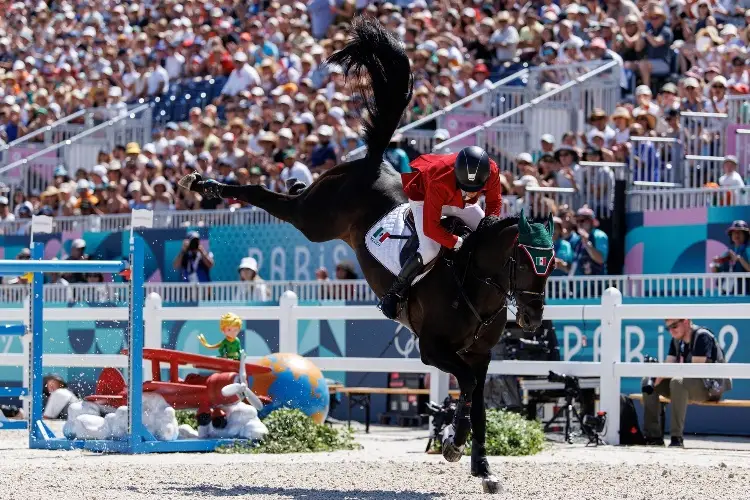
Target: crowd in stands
283	114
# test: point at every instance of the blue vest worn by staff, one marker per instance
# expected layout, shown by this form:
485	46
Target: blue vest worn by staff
584	264
564	252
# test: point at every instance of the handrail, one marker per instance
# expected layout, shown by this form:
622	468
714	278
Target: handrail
41	130
704	158
653	139
654	184
527	105
449	108
703	114
742	131
611	164
128	114
546	189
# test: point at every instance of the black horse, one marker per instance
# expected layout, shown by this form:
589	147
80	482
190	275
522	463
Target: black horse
458	310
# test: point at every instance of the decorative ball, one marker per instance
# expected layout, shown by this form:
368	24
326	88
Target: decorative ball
294	382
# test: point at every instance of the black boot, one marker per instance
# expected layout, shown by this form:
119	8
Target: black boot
295	186
389	303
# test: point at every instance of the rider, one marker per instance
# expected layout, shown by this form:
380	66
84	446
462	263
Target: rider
443	184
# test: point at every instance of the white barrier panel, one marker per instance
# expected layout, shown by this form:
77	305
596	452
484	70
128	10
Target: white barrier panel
609	369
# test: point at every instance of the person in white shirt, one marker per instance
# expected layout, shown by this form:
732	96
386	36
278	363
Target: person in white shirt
253	289
294	169
731	177
5	214
242	77
174	63
505	38
158	79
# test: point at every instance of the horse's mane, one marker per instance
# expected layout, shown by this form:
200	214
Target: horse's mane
487	224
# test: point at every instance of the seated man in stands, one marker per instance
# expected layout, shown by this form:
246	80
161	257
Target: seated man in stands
690	344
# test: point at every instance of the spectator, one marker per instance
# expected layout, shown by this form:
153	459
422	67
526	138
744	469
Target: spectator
253	289
77	252
591	249
737	258
731	178
396	156
5	214
563	250
193	261
690	344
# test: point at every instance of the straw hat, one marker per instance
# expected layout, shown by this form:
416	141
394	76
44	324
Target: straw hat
623	113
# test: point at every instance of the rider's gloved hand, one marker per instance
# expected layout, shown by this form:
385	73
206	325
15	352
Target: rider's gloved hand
458	244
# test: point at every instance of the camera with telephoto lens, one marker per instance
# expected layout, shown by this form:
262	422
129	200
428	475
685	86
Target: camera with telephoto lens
194	244
442	416
648	387
595	422
571	383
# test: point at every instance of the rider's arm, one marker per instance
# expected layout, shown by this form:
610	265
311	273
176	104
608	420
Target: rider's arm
434	200
492	197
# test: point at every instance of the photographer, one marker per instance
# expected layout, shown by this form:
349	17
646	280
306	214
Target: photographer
690	344
737	258
193	261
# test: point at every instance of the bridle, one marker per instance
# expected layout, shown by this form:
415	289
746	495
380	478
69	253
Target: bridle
507	293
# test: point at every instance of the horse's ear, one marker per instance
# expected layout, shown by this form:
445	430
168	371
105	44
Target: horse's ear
551	224
523	224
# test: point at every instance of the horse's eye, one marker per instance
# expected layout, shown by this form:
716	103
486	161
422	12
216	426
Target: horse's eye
522	267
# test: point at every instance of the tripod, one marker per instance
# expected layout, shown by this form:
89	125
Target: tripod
570	395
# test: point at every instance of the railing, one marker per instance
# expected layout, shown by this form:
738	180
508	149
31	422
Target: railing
704	134
655	159
645	200
558	288
5	149
75	145
422	140
511	132
608	363
163	220
598	185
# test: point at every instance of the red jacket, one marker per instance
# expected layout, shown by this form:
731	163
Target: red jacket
433	181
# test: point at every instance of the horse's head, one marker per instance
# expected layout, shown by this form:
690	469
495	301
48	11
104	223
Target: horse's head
517	259
532	263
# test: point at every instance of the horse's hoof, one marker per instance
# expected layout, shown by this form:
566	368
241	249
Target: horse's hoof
451	452
491	485
188	181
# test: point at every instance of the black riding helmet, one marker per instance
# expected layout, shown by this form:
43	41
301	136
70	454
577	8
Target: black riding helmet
472	168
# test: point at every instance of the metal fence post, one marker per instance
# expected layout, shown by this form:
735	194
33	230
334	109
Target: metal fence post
288	322
609	388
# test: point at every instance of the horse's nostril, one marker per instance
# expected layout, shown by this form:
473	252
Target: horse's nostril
526	319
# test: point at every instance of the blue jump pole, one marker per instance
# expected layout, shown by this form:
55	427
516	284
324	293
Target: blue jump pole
17	330
17	267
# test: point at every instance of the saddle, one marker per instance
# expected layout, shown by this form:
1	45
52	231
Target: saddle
453	225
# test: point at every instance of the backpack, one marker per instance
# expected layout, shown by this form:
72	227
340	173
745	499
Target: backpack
630	431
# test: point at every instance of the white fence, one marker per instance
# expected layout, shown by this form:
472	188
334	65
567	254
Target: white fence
668	198
558	288
607	364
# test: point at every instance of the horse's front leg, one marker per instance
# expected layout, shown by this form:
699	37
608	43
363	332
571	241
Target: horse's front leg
480	467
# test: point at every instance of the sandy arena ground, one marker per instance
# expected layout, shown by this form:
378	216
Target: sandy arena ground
392	465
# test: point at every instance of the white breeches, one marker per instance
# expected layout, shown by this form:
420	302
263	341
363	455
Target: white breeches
429	248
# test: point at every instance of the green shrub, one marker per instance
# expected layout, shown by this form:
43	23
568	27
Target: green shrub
509	434
186	417
291	431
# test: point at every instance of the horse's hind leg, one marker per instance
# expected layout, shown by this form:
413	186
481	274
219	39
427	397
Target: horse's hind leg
309	212
455	436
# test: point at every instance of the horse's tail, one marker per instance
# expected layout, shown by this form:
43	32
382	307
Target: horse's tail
388	90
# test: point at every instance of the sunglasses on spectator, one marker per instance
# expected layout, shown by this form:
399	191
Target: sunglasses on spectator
718	86
672	326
